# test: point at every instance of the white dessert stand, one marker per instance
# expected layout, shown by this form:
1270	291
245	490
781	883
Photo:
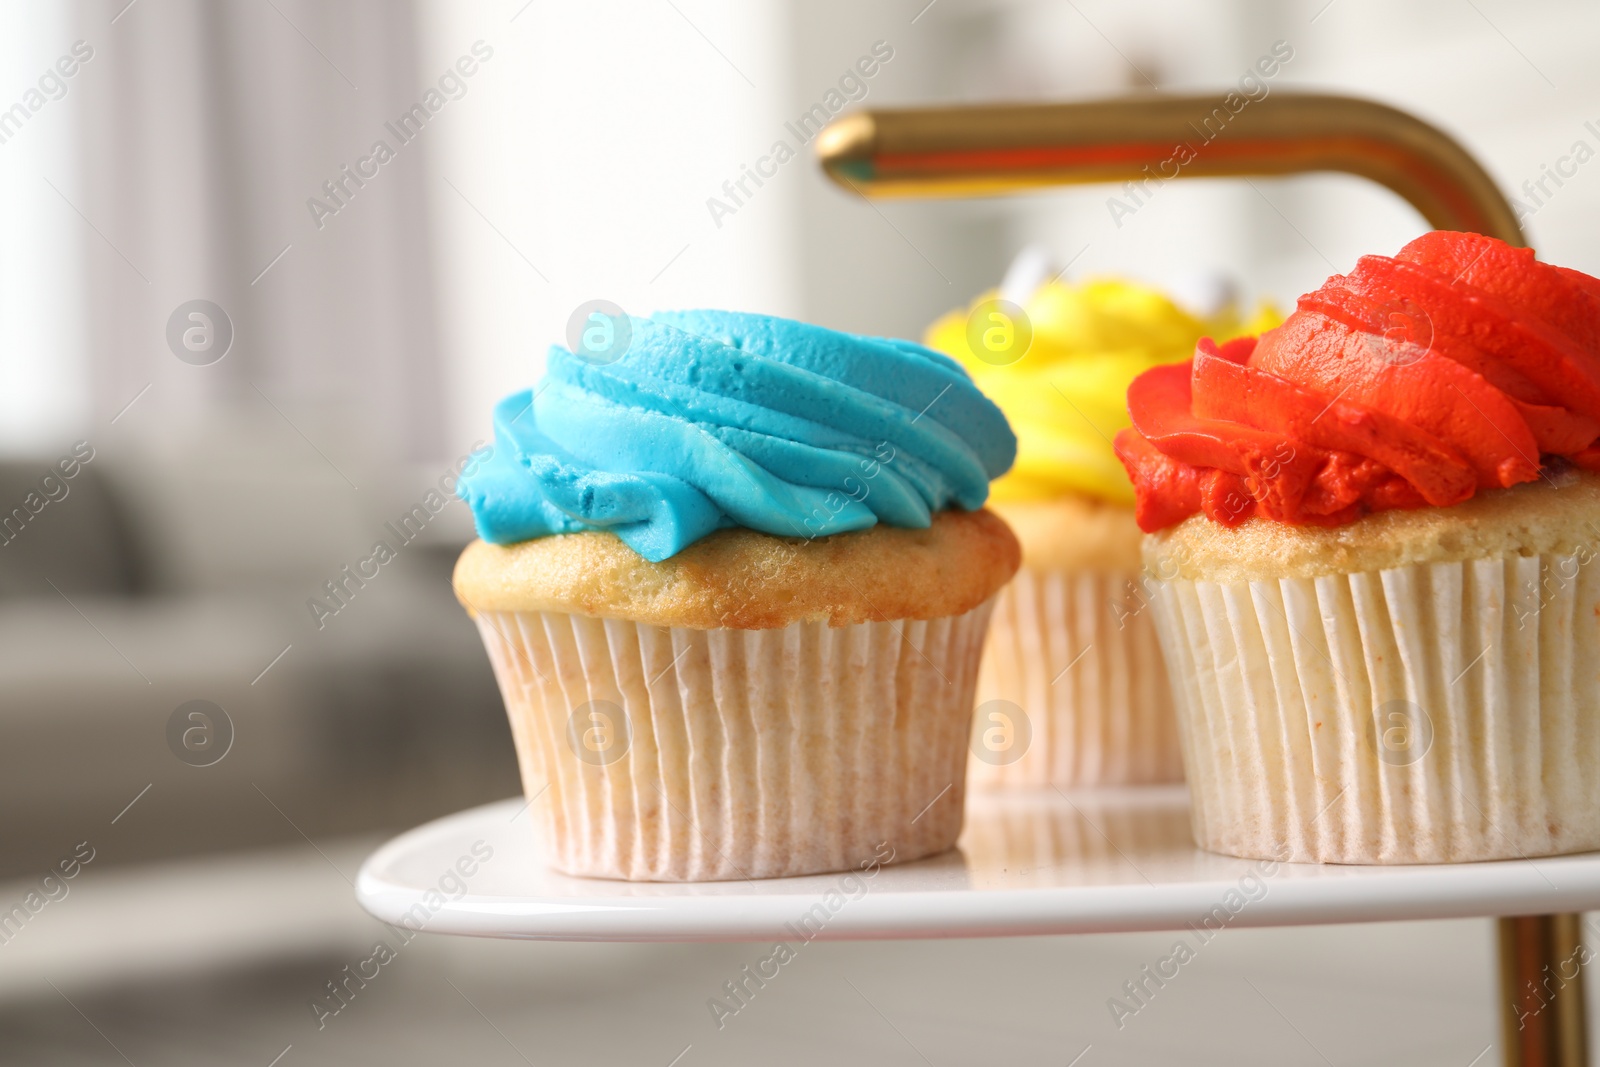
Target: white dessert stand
1050	863
1080	863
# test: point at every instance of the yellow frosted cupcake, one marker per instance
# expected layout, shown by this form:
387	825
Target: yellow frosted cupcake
1072	689
734	581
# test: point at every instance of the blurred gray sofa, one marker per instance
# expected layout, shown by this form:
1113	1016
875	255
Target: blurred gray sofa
159	579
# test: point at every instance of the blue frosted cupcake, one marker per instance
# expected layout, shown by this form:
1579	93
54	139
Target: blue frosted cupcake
734	583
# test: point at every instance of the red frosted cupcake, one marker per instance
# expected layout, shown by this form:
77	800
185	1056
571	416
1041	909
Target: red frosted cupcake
1368	538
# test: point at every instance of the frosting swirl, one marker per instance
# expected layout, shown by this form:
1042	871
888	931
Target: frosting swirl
713	419
1460	364
1065	396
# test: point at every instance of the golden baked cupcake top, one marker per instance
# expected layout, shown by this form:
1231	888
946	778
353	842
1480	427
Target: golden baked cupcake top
742	579
1073	533
1558	514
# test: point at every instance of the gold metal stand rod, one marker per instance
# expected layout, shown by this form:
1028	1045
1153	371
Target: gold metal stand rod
1541	991
1007	148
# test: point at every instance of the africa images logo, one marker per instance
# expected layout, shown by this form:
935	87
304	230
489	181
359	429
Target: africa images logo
852	86
342	188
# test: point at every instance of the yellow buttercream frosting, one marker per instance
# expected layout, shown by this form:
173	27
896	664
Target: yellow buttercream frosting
1066	394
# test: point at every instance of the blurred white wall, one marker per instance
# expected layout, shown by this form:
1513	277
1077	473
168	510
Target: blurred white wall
44	385
579	170
596	143
577	164
212	131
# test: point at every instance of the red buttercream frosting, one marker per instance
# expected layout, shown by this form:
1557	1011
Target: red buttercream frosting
1460	364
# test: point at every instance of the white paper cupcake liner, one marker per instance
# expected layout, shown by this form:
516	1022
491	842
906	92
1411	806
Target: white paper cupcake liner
1074	663
1434	713
672	754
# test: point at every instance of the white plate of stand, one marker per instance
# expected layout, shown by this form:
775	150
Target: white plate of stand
1027	864
1085	862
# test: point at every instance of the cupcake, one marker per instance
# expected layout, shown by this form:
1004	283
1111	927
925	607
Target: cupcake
734	578
1072	689
1370	532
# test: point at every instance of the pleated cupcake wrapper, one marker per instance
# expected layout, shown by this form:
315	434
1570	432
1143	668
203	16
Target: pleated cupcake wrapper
1074	662
671	754
1433	713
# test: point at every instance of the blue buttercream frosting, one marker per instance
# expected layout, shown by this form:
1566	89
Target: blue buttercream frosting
712	419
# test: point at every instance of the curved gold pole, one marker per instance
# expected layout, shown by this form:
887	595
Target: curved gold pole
1007	148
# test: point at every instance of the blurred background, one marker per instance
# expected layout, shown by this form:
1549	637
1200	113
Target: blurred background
263	343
